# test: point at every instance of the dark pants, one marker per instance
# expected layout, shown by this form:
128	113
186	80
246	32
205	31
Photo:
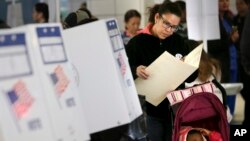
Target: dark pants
246	95
159	129
114	134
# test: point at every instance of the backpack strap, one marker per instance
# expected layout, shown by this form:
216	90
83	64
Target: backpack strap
222	89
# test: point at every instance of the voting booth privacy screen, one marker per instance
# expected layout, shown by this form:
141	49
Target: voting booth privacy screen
63	85
105	81
39	98
23	112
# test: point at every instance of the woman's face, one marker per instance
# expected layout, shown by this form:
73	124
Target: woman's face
223	5
133	24
35	15
165	25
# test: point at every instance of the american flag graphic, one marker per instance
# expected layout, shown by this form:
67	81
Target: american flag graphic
60	80
20	99
122	64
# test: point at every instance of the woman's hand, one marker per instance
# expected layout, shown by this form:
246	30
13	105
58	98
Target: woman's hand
235	36
183	58
141	72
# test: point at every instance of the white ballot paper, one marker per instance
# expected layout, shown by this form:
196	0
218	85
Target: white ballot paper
166	73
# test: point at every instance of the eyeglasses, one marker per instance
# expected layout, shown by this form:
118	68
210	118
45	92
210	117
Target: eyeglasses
167	25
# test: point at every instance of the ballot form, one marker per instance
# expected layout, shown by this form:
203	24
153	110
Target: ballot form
102	71
23	113
166	74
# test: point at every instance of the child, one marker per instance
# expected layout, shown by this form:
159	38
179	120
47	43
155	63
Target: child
199	134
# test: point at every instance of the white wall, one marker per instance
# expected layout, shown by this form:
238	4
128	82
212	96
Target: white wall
232	5
117	9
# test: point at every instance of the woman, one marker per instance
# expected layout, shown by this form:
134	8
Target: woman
224	49
157	37
40	13
245	60
132	19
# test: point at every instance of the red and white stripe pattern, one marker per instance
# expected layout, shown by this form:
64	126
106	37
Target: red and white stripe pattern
184	132
175	97
122	64
62	80
22	100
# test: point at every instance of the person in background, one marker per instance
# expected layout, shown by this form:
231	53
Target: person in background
83	5
41	13
132	20
74	18
245	60
224	49
85	21
157	37
81	16
242	7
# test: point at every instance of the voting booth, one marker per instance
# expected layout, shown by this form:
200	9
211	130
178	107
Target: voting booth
60	91
105	81
24	115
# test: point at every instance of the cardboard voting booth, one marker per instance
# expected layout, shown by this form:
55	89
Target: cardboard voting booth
61	93
24	115
107	88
